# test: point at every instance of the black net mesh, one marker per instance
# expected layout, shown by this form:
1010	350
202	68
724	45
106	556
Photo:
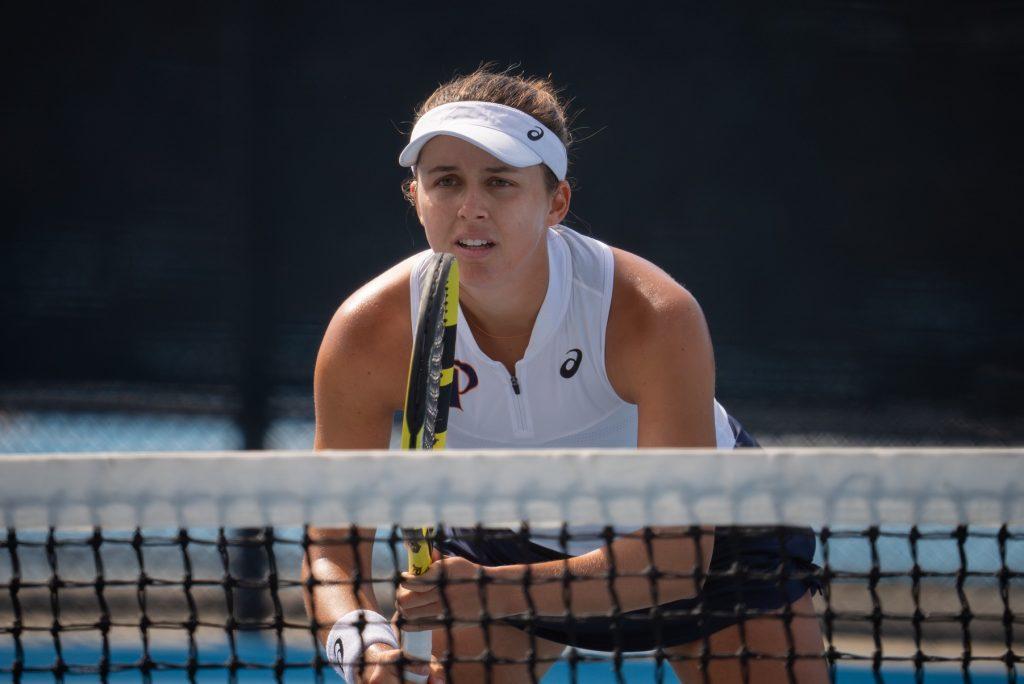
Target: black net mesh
182	603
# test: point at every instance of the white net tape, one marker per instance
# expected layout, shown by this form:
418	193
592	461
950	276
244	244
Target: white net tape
608	487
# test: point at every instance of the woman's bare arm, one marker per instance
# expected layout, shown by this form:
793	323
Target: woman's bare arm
358	384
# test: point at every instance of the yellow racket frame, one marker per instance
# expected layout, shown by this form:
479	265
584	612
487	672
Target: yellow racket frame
419	546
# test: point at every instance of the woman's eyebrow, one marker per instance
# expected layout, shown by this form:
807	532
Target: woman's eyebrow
490	169
443	169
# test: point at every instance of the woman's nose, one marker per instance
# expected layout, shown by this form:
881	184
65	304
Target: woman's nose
473	206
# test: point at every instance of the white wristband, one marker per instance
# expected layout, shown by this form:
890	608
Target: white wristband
351	635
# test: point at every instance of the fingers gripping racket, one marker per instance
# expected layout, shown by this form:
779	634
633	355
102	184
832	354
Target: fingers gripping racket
427	400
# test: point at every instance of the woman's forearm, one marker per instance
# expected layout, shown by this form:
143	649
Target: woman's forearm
329	567
649	572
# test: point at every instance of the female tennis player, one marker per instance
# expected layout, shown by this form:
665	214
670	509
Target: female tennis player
565	342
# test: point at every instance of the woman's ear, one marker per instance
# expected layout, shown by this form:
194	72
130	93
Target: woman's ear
559	203
412	198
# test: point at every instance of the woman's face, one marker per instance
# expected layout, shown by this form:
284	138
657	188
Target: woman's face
491	216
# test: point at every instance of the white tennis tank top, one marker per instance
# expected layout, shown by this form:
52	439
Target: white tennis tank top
560	395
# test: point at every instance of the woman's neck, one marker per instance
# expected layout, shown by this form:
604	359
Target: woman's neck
509	311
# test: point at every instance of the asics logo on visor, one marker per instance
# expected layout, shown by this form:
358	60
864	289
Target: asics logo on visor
496	129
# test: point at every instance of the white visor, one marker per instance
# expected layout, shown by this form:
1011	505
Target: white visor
512	136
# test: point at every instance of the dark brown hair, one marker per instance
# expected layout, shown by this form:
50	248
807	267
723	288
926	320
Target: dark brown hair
535	96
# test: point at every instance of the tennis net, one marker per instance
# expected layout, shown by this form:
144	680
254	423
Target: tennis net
188	566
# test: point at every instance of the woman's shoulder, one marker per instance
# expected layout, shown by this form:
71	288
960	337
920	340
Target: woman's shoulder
654	322
380	304
642	291
371	330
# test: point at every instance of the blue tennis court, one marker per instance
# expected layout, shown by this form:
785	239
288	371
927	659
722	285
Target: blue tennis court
260	653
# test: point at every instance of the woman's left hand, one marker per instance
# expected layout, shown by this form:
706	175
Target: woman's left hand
419	597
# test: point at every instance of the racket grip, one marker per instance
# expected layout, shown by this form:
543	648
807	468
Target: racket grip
417	543
417	646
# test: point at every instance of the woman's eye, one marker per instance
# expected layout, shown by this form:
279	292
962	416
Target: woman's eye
501	182
446	181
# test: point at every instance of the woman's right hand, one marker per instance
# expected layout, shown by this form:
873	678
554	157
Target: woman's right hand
381	667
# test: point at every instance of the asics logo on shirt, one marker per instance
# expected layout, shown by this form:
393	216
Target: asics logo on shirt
572	364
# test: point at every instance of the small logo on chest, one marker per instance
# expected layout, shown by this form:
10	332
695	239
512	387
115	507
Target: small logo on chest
464	379
571	364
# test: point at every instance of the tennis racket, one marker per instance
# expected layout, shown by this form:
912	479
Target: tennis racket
427	400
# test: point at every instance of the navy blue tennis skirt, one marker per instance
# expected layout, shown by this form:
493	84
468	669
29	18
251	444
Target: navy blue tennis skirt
753	571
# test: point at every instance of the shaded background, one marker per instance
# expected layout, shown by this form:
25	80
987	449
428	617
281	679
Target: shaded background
190	190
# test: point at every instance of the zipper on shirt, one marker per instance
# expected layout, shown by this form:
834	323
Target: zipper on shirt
517	400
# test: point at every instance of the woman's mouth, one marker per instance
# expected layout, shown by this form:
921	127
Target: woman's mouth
474	245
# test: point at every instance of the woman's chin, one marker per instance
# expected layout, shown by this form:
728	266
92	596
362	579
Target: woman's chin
479	276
